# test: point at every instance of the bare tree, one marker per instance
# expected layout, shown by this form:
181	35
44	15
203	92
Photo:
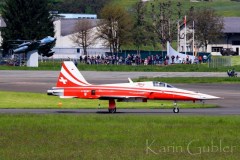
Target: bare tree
82	36
140	33
163	15
115	27
208	26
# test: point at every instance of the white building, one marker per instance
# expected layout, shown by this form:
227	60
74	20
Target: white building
230	40
77	16
2	25
64	29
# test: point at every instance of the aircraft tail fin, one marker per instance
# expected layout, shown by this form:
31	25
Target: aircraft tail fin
70	76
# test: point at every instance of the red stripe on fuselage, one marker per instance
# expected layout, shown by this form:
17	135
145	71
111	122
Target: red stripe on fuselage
85	92
96	87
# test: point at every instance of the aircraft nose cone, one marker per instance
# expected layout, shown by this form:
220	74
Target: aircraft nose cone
206	96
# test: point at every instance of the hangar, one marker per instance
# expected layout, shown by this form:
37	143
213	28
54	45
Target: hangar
230	41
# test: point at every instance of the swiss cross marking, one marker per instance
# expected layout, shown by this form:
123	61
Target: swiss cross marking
64	81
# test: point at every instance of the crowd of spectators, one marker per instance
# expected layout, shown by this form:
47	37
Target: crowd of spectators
135	59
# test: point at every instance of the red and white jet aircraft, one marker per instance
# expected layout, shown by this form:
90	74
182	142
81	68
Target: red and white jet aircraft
71	84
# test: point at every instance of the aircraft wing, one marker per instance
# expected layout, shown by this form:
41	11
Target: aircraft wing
120	97
125	98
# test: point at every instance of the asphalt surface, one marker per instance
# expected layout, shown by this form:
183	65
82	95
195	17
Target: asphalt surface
40	81
206	111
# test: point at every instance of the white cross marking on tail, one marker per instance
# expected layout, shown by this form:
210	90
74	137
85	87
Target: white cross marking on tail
64	81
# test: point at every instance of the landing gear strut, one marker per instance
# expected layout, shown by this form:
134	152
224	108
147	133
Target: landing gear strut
112	106
175	109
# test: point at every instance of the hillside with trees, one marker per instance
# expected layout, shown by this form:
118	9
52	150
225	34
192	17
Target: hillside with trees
77	6
139	25
226	8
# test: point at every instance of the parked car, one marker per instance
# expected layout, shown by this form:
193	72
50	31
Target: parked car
228	52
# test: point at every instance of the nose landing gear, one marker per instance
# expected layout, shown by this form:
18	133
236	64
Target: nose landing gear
175	109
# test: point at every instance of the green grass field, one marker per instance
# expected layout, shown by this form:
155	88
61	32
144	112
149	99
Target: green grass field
119	137
226	8
37	100
191	80
235	60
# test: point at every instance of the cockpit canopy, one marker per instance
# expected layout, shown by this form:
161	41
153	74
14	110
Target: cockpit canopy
162	84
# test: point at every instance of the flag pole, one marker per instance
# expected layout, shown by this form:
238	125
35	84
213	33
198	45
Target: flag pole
193	39
178	36
185	37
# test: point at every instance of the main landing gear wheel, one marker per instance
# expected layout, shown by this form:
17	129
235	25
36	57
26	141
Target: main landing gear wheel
113	110
175	110
112	106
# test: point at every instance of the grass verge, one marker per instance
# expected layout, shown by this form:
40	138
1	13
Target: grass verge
37	100
191	80
235	60
130	68
119	137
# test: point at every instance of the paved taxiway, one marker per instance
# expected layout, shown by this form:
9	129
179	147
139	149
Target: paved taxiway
40	81
206	111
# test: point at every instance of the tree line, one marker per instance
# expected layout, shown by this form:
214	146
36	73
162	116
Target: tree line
158	25
77	6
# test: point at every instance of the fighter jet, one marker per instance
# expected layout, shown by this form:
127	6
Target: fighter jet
26	47
71	84
46	44
43	46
